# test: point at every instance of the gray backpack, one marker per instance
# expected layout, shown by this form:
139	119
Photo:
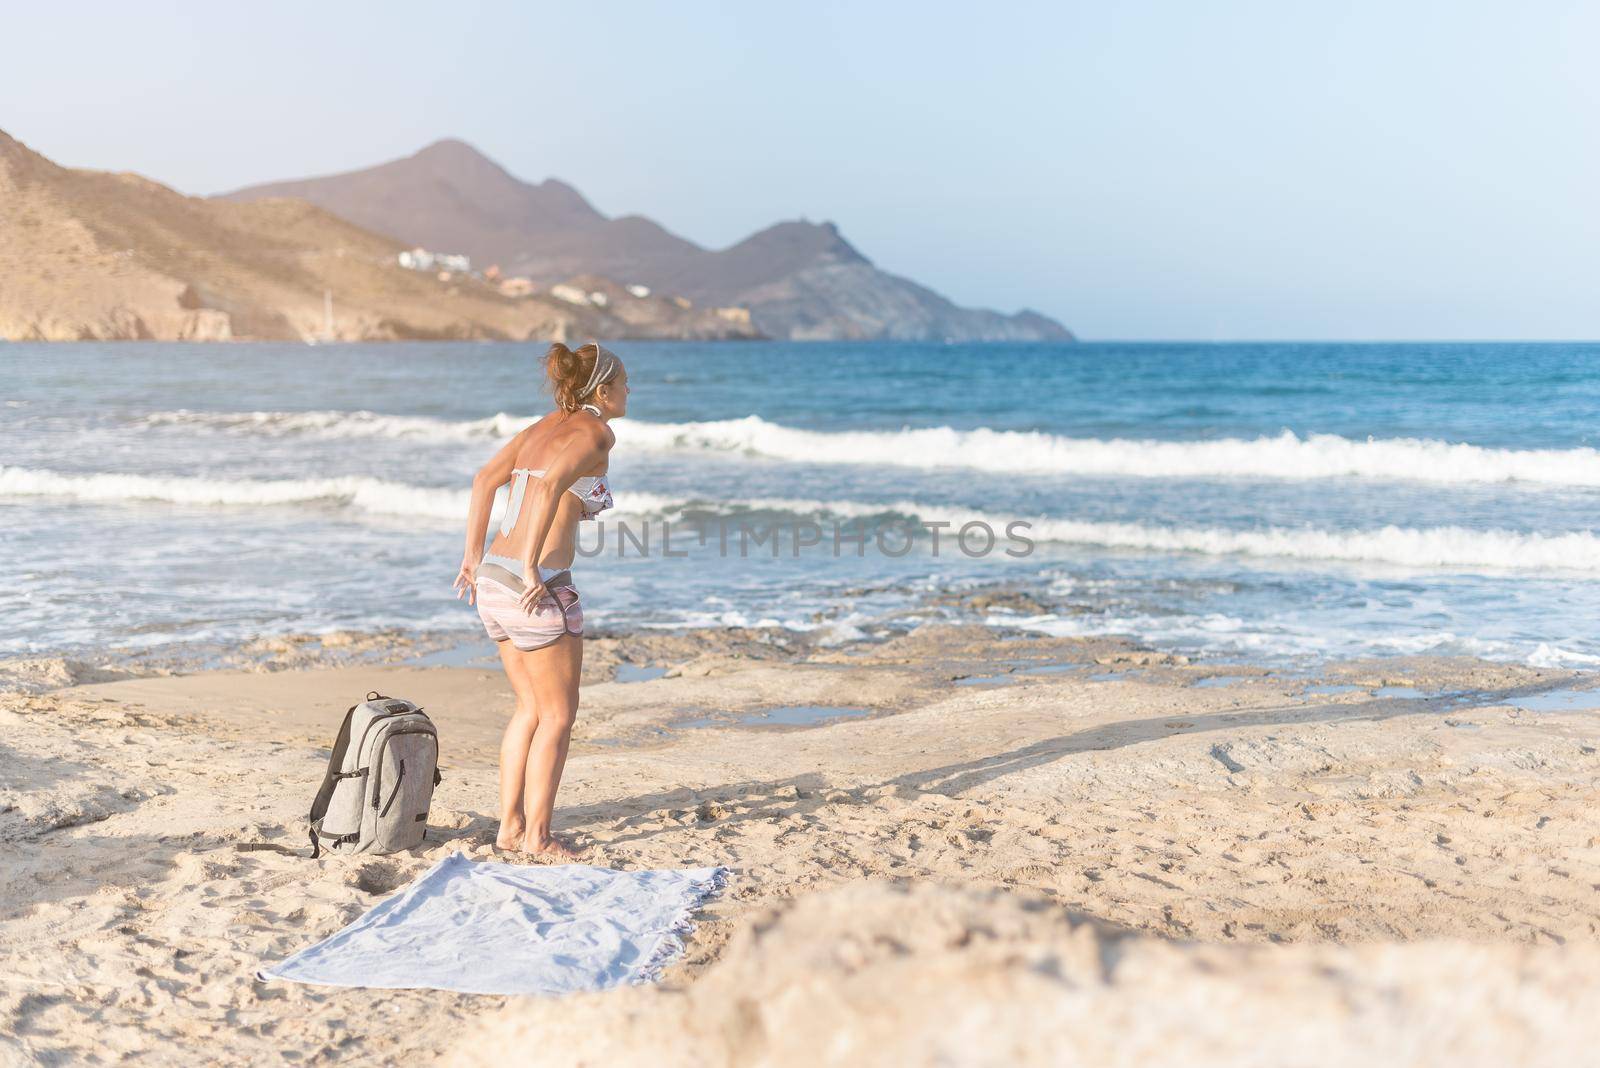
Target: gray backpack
380	780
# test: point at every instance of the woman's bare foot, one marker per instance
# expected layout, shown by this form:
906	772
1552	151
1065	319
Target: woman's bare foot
510	836
548	846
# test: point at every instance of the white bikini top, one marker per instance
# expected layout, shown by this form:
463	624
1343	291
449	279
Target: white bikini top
592	490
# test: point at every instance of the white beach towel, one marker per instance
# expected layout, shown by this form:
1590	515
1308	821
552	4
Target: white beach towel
489	928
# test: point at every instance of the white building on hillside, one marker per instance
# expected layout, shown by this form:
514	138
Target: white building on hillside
420	259
570	294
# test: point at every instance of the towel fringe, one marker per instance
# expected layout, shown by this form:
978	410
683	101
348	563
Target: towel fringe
671	945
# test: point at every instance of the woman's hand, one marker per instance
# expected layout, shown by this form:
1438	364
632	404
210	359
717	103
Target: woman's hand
464	583
533	590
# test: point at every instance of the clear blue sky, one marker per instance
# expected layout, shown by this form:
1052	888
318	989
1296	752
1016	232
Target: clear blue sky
1139	170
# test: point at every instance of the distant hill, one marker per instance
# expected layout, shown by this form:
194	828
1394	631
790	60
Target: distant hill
451	198
800	280
89	255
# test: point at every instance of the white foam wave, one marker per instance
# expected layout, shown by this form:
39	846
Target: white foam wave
372	495
366	494
1283	456
1428	547
1554	656
338	424
1432	547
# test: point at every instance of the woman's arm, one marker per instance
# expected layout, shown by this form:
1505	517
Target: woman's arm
490	477
581	451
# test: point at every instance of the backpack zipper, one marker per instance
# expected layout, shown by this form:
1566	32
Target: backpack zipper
377	757
398	779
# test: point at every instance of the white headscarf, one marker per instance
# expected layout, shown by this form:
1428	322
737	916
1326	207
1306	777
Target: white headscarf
605	364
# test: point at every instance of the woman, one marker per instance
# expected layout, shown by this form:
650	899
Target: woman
523	586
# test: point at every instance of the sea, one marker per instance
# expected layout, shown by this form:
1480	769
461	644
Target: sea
1272	503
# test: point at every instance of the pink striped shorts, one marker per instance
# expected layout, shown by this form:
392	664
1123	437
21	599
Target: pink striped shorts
498	592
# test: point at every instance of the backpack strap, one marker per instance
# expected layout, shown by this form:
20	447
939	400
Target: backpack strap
319	807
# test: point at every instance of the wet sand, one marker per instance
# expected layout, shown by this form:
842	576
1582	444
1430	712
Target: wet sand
946	849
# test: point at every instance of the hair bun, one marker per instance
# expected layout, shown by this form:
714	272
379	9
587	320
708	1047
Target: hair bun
569	371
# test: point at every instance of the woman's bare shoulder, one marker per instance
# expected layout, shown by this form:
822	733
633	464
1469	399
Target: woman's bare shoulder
592	432
530	439
559	431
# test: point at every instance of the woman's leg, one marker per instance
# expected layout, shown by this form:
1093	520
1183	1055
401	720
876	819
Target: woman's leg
554	671
514	748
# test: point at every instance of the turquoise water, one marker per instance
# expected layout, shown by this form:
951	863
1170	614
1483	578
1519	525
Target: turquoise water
1262	502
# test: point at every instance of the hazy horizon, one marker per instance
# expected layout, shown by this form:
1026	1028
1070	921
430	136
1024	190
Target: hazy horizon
1154	172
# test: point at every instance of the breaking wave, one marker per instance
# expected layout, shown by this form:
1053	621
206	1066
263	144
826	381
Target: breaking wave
1428	547
1431	547
337	424
1285	456
366	494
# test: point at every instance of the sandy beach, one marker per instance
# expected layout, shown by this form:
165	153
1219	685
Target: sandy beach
1089	564
963	849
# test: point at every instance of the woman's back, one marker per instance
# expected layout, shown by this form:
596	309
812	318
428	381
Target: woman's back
543	446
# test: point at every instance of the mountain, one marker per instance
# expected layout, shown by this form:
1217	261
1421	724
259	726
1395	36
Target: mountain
800	280
89	255
804	281
451	198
